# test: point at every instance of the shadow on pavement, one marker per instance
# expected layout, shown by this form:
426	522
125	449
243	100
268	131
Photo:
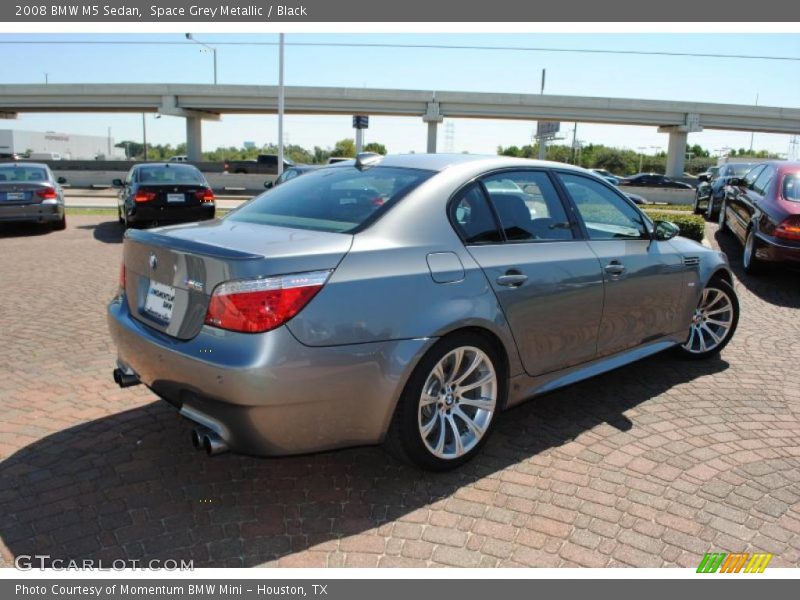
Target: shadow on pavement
108	232
11	230
130	485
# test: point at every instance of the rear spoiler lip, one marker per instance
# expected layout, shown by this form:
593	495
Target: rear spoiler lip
152	238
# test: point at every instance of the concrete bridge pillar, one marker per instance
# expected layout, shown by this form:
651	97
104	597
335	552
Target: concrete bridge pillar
432	117
194	138
676	147
676	153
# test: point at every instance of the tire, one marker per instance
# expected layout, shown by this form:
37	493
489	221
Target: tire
711	214
714	321
119	217
438	425
696	208
751	264
723	227
60	225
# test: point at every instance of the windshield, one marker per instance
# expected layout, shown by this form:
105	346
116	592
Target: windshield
23	174
791	187
172	174
737	170
338	199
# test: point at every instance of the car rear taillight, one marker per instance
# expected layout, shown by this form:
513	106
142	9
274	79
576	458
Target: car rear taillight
144	196
204	195
789	229
257	305
47	193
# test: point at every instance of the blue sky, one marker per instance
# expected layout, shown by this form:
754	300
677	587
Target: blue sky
658	77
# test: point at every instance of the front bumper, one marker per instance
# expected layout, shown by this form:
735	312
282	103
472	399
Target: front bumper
268	394
31	213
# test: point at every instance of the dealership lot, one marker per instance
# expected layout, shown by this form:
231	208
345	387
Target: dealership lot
651	465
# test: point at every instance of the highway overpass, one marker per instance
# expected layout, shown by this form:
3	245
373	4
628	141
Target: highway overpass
198	102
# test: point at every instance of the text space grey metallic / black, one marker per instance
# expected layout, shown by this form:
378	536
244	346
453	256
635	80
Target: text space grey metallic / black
406	299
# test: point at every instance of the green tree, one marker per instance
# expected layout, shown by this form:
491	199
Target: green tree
375	147
345	147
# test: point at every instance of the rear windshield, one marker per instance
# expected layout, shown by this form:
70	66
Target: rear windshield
170	175
791	187
337	199
23	174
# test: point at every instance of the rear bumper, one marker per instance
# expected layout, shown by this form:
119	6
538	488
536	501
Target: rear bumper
32	213
775	250
268	394
171	214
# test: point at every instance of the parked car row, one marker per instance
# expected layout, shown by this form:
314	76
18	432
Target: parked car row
762	210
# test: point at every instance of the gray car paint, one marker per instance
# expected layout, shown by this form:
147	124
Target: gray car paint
332	375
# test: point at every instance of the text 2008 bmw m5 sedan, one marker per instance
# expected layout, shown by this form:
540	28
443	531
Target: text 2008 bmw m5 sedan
406	299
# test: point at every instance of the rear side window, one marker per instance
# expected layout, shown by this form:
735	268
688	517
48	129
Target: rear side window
528	206
338	199
606	215
172	174
473	218
791	187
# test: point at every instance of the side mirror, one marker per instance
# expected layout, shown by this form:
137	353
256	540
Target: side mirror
736	181
117	183
702	177
61	180
665	230
269	184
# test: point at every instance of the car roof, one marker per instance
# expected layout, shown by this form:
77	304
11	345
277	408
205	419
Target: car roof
170	165
441	162
24	164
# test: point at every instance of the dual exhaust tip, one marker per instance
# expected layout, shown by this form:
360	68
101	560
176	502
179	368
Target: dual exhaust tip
210	441
125	378
202	438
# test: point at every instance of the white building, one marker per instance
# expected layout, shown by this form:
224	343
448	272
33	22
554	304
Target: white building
69	146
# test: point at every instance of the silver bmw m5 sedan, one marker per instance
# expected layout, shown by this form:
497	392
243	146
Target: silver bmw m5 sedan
406	299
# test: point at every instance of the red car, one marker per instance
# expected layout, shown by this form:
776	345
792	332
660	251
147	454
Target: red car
762	209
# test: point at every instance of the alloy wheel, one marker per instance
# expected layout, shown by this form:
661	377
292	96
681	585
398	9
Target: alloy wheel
712	321
457	403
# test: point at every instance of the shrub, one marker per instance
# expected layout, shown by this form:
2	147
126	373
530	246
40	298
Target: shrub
691	226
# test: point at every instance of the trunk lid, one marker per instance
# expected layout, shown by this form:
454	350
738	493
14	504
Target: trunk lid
22	192
171	272
174	195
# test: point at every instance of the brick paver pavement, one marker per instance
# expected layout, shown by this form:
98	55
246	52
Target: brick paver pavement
651	465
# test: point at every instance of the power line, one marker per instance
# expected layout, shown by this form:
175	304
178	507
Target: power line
415	47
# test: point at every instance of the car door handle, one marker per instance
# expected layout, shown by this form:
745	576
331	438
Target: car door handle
615	268
512	279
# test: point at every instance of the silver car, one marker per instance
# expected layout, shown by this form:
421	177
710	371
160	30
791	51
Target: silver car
29	192
406	299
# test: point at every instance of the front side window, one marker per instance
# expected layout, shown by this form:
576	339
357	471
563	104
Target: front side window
472	217
338	199
761	183
528	206
606	215
752	175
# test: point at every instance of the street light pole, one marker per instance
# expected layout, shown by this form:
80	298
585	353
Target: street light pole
211	49
281	101
144	135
